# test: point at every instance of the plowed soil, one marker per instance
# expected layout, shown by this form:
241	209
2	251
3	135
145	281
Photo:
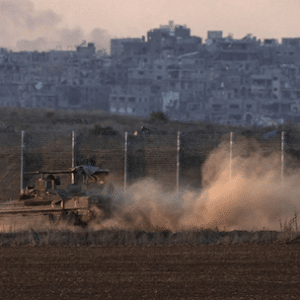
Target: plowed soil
151	272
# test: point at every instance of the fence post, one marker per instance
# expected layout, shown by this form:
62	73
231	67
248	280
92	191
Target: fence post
282	155
178	162
230	163
125	163
22	162
73	155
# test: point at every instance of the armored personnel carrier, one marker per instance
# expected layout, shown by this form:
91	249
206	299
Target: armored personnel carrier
73	203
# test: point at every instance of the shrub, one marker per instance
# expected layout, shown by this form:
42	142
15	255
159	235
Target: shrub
158	116
99	130
49	114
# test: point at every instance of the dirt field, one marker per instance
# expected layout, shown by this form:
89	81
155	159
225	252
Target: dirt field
151	272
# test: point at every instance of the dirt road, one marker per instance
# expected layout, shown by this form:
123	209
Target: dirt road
152	272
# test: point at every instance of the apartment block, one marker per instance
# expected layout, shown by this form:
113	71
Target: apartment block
133	100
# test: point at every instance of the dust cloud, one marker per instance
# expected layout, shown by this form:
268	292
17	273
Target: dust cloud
253	198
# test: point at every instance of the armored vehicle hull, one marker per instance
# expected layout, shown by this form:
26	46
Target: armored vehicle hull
73	203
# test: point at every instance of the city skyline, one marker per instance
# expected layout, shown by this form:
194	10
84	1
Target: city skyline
43	25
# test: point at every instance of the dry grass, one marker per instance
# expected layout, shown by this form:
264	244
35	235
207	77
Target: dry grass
39	232
80	237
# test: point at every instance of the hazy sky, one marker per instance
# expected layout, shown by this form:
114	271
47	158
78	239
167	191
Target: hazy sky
44	24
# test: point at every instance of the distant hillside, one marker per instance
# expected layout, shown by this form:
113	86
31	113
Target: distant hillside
43	120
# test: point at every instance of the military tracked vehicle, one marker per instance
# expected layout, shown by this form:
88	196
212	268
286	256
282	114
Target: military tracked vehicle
74	203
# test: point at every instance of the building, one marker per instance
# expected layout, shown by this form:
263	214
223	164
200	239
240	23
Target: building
117	45
133	100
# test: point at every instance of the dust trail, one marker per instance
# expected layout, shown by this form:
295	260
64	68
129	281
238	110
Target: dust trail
253	199
17	223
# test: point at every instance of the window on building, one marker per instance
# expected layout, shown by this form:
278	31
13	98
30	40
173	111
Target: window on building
236	117
174	74
286	94
159	77
236	92
131	99
122	99
249	105
234	106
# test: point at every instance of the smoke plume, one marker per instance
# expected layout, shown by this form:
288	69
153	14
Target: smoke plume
25	29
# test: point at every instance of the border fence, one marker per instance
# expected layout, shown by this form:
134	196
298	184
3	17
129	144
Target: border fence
172	160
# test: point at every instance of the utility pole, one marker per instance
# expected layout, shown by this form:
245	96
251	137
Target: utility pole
73	155
230	163
125	163
22	162
282	155
178	162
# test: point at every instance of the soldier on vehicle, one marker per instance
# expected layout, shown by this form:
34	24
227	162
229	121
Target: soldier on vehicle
90	161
